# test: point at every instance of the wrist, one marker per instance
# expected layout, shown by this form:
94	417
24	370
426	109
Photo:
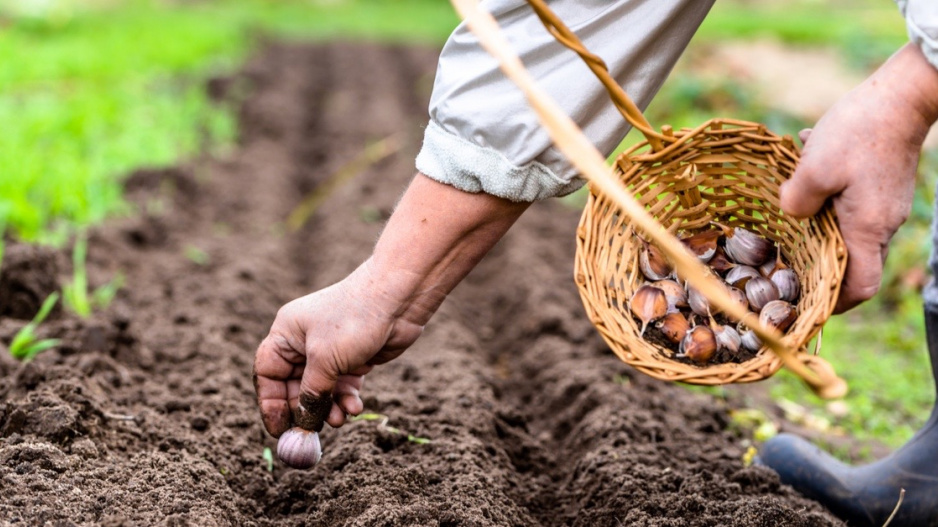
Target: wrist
911	82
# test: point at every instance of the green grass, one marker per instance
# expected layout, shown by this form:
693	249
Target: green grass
105	90
883	358
806	22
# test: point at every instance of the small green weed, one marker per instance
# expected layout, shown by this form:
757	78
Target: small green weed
25	346
371	416
196	255
269	458
76	296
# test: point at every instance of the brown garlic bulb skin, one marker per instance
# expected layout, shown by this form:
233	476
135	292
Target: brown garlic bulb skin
720	263
703	245
778	314
698	345
674	327
299	448
653	263
677	297
648	304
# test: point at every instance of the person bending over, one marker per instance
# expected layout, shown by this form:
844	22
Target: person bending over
485	159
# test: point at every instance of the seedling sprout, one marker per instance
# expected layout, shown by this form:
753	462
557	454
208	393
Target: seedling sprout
25	346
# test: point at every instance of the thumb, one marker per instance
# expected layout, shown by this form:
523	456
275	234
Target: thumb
809	187
316	387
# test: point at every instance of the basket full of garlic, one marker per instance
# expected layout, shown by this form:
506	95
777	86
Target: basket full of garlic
716	187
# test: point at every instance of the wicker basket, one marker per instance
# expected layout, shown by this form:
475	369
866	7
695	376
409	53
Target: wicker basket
724	170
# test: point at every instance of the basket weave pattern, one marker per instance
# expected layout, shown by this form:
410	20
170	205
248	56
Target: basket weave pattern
727	171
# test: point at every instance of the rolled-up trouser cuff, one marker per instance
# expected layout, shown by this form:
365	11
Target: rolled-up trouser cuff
452	160
921	18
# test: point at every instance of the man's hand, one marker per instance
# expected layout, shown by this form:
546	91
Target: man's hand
324	343
321	345
864	153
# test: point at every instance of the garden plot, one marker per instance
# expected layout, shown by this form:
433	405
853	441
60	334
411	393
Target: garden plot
509	410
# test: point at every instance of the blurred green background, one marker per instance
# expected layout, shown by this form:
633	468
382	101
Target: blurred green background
91	89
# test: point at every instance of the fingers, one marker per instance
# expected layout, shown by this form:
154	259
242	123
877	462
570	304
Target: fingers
864	272
347	400
805	193
811	184
272	370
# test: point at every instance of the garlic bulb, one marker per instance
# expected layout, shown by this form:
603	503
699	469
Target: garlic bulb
673	326
778	314
648	304
726	337
699	345
787	283
740	274
653	263
299	448
677	297
760	291
750	341
739	297
697	302
745	247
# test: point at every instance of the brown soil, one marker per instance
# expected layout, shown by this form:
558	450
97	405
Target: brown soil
145	415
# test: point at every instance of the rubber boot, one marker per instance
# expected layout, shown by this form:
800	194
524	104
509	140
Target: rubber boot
867	495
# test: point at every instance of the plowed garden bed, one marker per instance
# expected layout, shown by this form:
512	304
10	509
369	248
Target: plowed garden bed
145	414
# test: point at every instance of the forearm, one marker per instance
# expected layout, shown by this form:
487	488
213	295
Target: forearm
434	239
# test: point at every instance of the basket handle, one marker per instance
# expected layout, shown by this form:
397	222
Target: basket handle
620	99
592	165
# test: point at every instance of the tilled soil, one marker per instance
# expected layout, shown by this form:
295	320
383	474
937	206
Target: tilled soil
145	414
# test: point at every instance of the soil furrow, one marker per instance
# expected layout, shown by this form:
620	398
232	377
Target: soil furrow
145	415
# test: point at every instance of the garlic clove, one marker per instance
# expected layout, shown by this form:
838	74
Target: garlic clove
720	263
648	304
673	326
698	345
697	302
772	265
299	448
653	263
760	291
787	283
677	297
703	244
740	297
750	341
726	337
740	274
745	247
778	314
